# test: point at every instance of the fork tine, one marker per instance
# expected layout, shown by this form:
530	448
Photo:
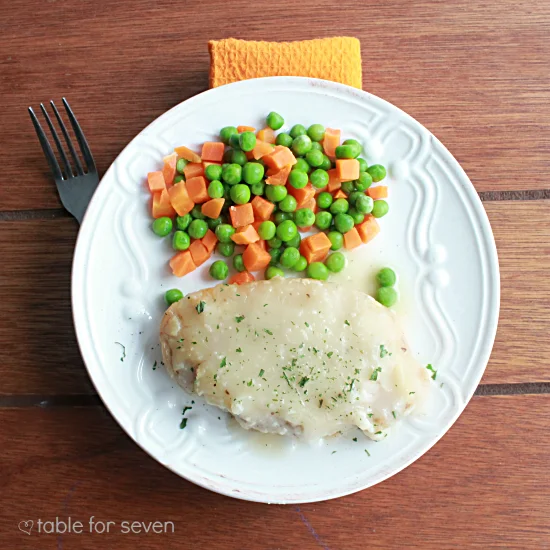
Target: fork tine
50	157
68	141
86	153
67	166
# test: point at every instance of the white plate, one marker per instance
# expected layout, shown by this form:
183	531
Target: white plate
436	236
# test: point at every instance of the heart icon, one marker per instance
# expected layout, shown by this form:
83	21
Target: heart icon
26	526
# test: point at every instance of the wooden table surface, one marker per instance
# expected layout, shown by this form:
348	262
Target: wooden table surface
476	73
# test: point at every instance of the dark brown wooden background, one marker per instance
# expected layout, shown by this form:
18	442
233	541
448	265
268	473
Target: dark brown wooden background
476	73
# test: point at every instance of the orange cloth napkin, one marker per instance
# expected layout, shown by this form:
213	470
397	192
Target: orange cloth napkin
337	59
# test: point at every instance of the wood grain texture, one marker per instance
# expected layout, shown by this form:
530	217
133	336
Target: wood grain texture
481	486
39	353
473	72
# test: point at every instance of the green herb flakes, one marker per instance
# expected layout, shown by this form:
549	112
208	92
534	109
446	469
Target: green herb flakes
374	375
200	306
432	370
239	318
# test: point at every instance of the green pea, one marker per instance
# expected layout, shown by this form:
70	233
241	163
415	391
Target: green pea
267	230
240	193
364	181
234	141
274	120
364	204
348	187
386	295
219	270
238	263
215	189
172	296
274	243
314	158
295	241
301	264
178	178
226	194
317	270
196	213
258	188
323	220
247	141
238	157
180	165
197	229
182	222
286	230
283	139
288	204
289	257
324	200
380	208
339	206
302	165
347	151
232	174
335	262
352	198
283	216
386	277
327	164
355	143
162	226
358	217
213	222
316	146
297	179
304	217
319	178
227	132
226	249
180	240
297	130
301	145
343	223
253	172
377	171
273	271
275	254
336	239
362	165
224	232
275	193
213	172
316	132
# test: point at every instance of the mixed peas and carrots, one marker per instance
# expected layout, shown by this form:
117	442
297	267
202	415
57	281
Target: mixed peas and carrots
261	190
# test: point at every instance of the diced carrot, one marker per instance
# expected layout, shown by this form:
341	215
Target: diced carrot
257	223
255	257
182	263
261	149
339	194
262	243
266	134
212	151
241	278
249	155
368	229
242	129
241	215
352	239
315	248
193	170
213	208
179	197
186	153
331	141
303	195
378	192
311	204
279	158
305	229
155	180
279	177
169	168
209	241
162	205
199	252
198	192
334	182
245	235
262	208
347	169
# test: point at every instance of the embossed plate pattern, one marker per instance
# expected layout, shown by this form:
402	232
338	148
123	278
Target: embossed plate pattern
436	235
